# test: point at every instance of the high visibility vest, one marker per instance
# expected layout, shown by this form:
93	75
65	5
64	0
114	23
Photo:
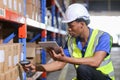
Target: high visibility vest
106	67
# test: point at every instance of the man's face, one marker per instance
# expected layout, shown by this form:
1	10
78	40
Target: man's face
74	29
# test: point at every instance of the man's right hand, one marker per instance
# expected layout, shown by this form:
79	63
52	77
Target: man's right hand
29	67
33	68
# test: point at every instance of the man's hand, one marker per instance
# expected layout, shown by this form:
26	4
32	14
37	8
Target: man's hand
29	67
56	56
33	68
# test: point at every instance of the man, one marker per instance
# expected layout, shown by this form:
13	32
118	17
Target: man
86	48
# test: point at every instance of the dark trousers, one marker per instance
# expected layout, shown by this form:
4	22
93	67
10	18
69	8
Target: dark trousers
85	72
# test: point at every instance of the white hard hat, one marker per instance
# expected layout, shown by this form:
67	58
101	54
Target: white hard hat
75	11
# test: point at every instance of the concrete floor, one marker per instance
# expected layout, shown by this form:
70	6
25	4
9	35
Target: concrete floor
115	55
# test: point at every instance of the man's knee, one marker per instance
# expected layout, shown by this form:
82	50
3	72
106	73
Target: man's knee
84	72
82	68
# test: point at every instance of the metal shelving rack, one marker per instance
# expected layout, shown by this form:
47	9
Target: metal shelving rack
23	23
44	29
15	18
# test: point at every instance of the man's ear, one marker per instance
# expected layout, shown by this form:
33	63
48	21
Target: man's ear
81	24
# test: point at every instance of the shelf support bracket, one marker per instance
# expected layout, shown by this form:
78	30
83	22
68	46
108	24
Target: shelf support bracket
35	38
53	12
43	53
11	36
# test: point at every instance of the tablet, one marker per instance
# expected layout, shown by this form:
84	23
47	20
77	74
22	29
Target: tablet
47	44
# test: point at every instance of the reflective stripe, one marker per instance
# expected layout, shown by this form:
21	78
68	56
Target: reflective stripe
112	78
70	45
111	74
97	39
74	78
105	62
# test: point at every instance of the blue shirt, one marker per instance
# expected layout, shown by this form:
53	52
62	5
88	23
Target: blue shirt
103	44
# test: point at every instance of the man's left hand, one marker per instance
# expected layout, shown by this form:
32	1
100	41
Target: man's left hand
56	56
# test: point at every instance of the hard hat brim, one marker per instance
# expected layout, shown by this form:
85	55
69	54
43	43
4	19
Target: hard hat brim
67	21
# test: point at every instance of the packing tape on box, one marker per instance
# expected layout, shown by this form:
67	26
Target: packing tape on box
2	56
10	61
16	59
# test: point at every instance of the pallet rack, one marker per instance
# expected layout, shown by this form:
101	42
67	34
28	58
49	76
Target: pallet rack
22	23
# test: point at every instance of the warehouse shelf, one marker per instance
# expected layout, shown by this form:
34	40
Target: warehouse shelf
18	21
33	23
56	30
9	15
60	9
13	17
36	24
21	23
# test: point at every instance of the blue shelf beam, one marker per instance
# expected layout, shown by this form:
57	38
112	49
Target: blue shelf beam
23	42
57	16
43	10
43	35
24	5
22	35
23	55
43	39
43	53
11	36
35	38
53	12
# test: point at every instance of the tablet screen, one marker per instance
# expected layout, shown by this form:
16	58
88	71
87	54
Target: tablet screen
47	44
50	45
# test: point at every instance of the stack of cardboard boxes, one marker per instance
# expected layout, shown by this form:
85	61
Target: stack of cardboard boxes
10	53
9	58
33	9
33	53
13	5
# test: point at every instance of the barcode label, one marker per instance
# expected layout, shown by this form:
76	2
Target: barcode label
2	12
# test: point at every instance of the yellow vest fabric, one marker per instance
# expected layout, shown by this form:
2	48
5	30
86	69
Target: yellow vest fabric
106	66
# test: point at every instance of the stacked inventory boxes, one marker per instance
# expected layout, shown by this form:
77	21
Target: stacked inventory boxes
33	9
13	5
9	59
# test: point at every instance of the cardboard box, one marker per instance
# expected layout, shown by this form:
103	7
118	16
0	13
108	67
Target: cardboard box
2	59
13	5
37	3
9	56
31	2
8	75
30	11
37	14
16	53
10	4
38	55
33	11
33	53
21	4
3	4
12	74
30	49
2	76
6	57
